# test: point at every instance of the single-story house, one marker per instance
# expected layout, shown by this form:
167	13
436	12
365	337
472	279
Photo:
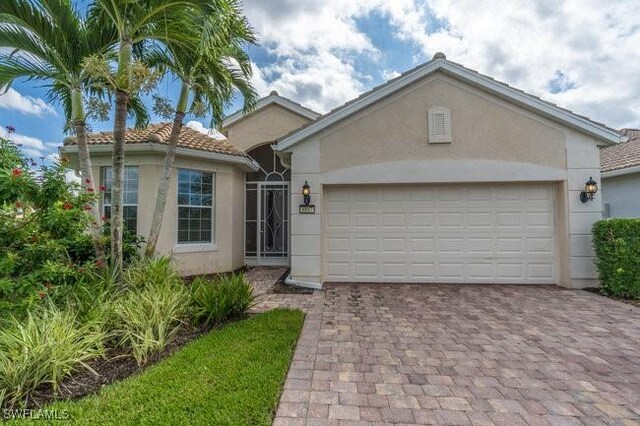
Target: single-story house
441	175
620	168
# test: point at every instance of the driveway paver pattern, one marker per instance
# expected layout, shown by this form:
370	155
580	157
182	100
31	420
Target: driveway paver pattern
463	355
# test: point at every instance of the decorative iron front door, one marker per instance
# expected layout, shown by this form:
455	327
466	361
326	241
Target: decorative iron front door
274	220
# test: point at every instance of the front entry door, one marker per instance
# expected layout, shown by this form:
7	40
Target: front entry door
272	230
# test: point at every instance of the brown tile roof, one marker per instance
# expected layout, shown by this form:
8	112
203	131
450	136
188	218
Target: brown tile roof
622	155
159	133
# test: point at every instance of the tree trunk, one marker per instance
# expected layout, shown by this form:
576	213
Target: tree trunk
120	123
89	185
169	158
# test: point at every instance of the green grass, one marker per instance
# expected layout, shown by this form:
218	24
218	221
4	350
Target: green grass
232	376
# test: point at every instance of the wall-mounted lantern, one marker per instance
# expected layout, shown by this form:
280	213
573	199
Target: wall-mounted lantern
590	189
306	193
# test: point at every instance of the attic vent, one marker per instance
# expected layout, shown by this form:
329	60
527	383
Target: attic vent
439	125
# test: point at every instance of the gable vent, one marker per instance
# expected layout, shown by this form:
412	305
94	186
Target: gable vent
439	125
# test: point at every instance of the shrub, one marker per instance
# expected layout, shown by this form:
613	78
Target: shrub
143	272
217	300
44	349
148	316
617	246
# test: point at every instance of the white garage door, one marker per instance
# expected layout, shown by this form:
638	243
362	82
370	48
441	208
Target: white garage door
440	233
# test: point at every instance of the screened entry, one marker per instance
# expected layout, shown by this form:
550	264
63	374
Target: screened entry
267	210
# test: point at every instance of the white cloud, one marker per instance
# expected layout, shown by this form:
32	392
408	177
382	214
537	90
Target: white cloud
212	132
315	46
12	99
28	142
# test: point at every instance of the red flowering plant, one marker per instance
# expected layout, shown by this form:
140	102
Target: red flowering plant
43	226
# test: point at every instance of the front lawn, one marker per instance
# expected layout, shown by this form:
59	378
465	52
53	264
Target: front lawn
232	376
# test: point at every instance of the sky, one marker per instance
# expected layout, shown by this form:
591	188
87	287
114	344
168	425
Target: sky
581	54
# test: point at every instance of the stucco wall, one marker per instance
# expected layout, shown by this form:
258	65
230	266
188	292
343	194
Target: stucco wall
264	125
227	251
493	141
482	127
622	194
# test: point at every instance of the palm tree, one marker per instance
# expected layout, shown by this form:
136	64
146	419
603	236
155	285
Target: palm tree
155	22
50	41
212	71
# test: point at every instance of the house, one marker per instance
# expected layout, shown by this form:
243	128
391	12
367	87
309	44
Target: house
620	168
439	175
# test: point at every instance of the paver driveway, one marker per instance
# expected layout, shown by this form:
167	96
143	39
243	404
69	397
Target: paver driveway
460	354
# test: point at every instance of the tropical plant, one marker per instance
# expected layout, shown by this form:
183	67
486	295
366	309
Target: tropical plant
211	72
44	349
148	319
214	301
137	24
49	41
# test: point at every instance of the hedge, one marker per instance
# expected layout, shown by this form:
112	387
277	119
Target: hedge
617	246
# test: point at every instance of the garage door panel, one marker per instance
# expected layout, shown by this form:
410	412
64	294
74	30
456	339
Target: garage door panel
501	233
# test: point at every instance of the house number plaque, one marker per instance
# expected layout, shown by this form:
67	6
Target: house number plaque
307	209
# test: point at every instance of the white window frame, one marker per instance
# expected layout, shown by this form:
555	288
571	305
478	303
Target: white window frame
436	138
189	247
103	180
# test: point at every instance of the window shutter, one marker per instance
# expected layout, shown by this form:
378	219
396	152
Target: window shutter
439	125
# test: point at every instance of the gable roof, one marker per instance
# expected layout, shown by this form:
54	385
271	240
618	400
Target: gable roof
159	133
624	157
440	63
276	99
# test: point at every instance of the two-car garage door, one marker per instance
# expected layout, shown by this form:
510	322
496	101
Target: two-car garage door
500	233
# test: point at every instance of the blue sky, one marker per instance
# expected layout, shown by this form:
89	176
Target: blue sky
581	54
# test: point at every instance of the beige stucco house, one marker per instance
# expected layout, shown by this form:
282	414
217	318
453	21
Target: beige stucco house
620	167
439	175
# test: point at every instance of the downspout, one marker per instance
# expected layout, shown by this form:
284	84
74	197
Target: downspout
305	284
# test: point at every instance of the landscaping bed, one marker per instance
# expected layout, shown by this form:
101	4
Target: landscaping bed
598	291
230	376
115	366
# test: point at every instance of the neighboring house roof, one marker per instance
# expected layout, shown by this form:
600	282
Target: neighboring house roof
624	157
159	133
440	63
276	99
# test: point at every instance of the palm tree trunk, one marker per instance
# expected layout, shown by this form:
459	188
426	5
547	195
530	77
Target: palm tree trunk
122	80
84	158
169	159
120	122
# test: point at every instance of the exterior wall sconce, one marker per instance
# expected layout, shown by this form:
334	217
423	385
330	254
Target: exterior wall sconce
306	193
590	188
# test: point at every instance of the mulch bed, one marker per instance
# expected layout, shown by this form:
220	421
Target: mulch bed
281	288
116	366
598	291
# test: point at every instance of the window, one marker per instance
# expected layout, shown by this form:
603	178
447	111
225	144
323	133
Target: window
129	197
439	125
195	207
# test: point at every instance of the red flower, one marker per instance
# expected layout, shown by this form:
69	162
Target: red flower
87	207
18	204
87	180
42	294
89	189
103	188
100	263
16	172
49	286
104	218
67	206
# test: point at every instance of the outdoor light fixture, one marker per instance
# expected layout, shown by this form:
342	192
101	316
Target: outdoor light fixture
590	188
306	193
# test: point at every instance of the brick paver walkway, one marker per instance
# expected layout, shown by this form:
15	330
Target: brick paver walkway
482	355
